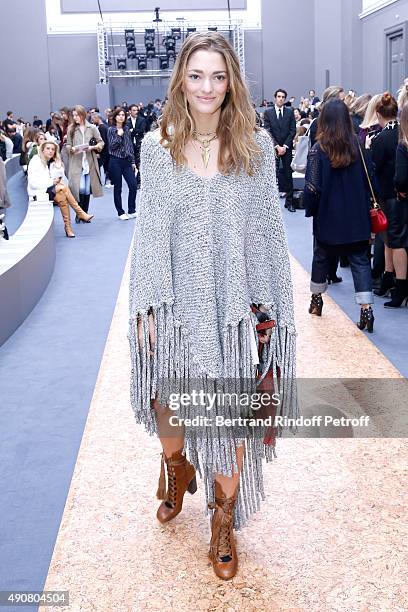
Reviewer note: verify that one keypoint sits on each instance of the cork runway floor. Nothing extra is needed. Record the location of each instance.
(331, 535)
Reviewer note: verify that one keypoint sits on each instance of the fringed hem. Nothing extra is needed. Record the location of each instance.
(172, 369)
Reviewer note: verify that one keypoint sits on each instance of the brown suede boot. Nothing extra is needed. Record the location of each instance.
(80, 214)
(181, 477)
(64, 208)
(223, 553)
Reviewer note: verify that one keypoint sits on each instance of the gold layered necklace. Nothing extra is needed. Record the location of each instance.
(205, 144)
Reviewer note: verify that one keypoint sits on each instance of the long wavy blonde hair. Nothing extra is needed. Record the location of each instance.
(237, 125)
(57, 157)
(370, 116)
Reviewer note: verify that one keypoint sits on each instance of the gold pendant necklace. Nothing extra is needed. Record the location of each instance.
(205, 147)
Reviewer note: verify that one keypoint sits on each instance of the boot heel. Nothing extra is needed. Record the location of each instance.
(192, 487)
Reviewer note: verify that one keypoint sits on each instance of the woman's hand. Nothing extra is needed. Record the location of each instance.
(152, 337)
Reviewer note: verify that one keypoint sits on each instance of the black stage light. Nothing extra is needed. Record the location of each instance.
(141, 62)
(150, 34)
(121, 63)
(151, 53)
(164, 63)
(191, 31)
(130, 42)
(212, 28)
(170, 44)
(176, 33)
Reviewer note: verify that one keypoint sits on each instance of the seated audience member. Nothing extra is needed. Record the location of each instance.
(298, 115)
(39, 138)
(301, 130)
(46, 175)
(4, 197)
(28, 141)
(15, 138)
(52, 134)
(37, 122)
(20, 126)
(7, 146)
(9, 121)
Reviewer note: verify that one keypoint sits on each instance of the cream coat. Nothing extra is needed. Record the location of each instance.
(75, 161)
(40, 176)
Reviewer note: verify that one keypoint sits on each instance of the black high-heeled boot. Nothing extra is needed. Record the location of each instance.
(387, 283)
(316, 304)
(366, 319)
(399, 294)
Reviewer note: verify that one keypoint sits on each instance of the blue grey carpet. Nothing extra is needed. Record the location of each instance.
(48, 373)
(390, 327)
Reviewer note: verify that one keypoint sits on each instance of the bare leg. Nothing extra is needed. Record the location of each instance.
(230, 483)
(171, 436)
(389, 264)
(400, 263)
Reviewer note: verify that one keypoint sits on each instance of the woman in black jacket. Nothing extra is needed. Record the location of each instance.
(383, 150)
(401, 184)
(337, 196)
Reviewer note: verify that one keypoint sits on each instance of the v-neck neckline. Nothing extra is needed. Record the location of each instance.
(189, 170)
(186, 168)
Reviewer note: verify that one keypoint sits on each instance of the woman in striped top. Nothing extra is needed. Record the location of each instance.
(122, 163)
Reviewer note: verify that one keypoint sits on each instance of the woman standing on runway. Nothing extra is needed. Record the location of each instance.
(122, 163)
(383, 151)
(83, 143)
(209, 260)
(337, 196)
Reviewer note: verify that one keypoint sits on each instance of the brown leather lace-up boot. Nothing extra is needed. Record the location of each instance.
(181, 477)
(222, 552)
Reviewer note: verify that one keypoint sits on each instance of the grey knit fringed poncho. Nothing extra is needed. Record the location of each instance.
(204, 250)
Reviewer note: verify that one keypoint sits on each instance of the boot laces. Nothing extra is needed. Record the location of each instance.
(172, 488)
(222, 523)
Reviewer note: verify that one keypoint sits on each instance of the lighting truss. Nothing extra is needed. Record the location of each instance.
(137, 43)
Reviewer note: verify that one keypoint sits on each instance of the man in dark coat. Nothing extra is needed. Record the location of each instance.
(138, 126)
(280, 122)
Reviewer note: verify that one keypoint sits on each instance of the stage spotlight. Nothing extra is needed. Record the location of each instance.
(176, 33)
(130, 42)
(164, 63)
(130, 38)
(142, 62)
(150, 34)
(191, 31)
(121, 63)
(151, 53)
(170, 44)
(212, 28)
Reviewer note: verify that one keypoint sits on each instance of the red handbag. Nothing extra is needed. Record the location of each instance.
(379, 222)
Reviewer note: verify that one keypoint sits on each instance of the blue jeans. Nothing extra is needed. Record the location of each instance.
(85, 184)
(359, 264)
(117, 168)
